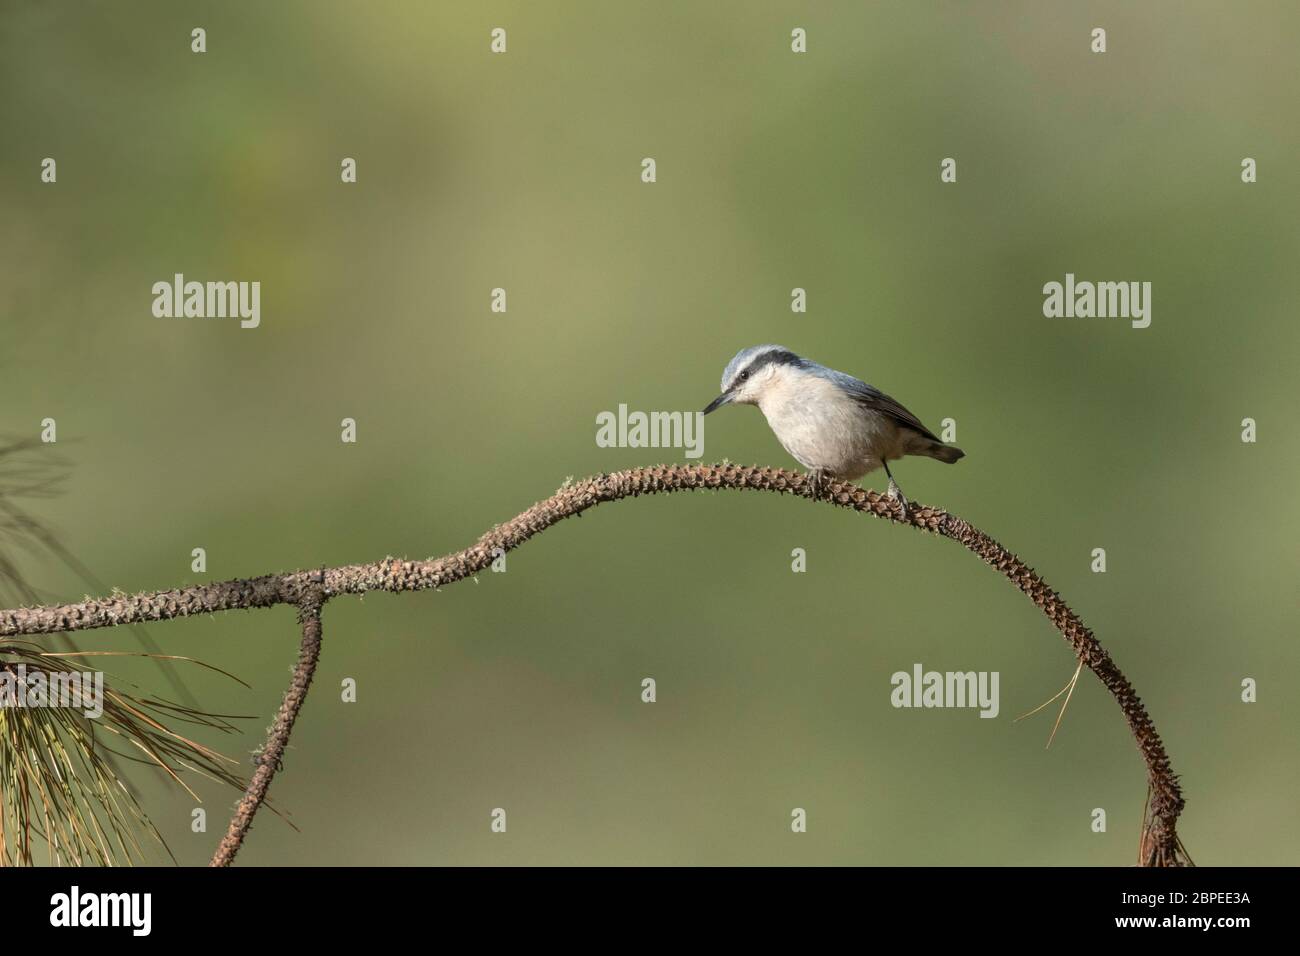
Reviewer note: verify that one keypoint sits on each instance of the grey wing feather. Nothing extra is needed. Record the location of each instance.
(874, 398)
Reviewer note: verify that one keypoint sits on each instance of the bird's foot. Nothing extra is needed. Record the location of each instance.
(896, 494)
(819, 483)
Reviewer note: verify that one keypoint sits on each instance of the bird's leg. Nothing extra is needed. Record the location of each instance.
(819, 482)
(895, 492)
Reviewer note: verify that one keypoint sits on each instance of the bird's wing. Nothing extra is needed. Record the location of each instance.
(873, 398)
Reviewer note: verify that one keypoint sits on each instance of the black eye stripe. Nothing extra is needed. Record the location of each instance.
(775, 357)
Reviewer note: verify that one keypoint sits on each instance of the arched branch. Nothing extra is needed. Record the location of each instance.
(1159, 845)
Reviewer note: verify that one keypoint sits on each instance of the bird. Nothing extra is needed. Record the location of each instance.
(833, 424)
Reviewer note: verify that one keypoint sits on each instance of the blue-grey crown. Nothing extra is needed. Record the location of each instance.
(756, 357)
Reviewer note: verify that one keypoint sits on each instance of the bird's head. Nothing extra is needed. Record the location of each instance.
(754, 372)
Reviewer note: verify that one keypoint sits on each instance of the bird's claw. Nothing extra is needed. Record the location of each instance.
(819, 483)
(896, 494)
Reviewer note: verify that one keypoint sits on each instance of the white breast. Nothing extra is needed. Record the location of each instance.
(824, 428)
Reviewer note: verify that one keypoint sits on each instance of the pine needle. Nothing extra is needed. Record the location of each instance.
(1068, 691)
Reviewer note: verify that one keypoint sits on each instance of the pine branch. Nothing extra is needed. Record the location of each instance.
(277, 739)
(309, 590)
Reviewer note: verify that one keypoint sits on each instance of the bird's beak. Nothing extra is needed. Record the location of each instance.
(723, 399)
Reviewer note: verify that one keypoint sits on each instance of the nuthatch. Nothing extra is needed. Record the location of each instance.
(833, 424)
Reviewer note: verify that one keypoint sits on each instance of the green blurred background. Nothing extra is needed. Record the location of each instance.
(775, 170)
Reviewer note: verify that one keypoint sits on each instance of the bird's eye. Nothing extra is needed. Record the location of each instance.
(744, 375)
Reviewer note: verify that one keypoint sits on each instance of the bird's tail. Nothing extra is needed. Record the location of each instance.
(944, 453)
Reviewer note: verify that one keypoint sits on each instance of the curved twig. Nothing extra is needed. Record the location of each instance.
(277, 736)
(1159, 845)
